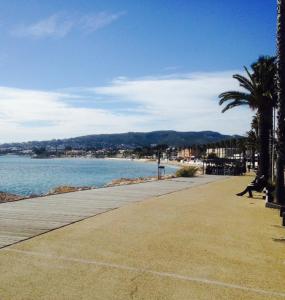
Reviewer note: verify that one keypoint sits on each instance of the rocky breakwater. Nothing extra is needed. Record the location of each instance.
(124, 181)
(7, 197)
(68, 189)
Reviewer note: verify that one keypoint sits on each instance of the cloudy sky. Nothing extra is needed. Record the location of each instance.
(71, 67)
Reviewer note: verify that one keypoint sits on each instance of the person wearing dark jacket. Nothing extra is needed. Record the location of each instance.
(258, 184)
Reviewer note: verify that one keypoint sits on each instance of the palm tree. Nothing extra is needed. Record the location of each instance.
(268, 82)
(252, 145)
(254, 124)
(241, 147)
(255, 138)
(280, 191)
(234, 146)
(258, 95)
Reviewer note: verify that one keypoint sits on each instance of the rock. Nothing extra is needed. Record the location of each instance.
(6, 197)
(124, 181)
(34, 196)
(67, 189)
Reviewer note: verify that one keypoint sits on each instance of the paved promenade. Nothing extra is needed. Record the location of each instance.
(27, 218)
(199, 243)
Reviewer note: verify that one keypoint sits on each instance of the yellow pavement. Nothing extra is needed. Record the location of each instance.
(199, 243)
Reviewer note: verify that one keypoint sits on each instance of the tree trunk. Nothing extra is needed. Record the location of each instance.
(253, 151)
(264, 134)
(280, 191)
(244, 159)
(271, 144)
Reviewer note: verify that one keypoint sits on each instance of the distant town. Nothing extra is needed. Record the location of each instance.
(170, 145)
(225, 149)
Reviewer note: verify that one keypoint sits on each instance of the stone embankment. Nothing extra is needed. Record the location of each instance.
(123, 181)
(68, 189)
(6, 197)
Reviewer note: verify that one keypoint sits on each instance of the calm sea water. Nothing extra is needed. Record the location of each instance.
(25, 176)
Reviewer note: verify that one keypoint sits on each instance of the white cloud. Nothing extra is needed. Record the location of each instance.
(53, 26)
(59, 25)
(29, 115)
(178, 102)
(93, 22)
(183, 102)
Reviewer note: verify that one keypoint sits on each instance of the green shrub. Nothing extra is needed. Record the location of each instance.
(190, 171)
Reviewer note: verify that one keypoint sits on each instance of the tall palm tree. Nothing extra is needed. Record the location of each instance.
(254, 128)
(280, 191)
(258, 95)
(241, 147)
(254, 124)
(252, 145)
(266, 79)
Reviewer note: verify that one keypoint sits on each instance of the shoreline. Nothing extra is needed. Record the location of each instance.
(174, 165)
(9, 197)
(168, 163)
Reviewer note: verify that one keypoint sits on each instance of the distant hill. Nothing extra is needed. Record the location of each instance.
(129, 140)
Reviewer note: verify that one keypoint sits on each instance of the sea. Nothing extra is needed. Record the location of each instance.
(25, 176)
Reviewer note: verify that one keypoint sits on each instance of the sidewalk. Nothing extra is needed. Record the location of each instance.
(200, 243)
(25, 219)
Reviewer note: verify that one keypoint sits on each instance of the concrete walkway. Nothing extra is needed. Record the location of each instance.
(198, 243)
(24, 219)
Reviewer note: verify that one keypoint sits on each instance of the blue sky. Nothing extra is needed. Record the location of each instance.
(71, 68)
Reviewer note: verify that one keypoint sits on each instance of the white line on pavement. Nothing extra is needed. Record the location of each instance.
(147, 271)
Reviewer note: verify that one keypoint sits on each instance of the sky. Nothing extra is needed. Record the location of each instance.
(76, 67)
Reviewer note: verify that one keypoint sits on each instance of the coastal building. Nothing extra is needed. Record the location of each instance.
(120, 153)
(75, 153)
(223, 152)
(187, 153)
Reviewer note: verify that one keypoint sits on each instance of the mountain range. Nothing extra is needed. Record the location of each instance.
(128, 140)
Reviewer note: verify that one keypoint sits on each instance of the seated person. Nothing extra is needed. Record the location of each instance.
(256, 185)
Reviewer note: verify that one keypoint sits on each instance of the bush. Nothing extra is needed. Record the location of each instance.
(190, 171)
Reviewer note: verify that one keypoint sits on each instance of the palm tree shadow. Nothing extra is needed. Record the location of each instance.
(280, 240)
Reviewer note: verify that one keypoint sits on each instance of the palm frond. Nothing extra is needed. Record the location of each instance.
(245, 83)
(234, 95)
(234, 104)
(249, 75)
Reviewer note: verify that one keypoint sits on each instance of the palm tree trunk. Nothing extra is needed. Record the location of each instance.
(253, 157)
(270, 143)
(280, 191)
(264, 134)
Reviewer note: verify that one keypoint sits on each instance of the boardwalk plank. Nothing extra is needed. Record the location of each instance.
(24, 219)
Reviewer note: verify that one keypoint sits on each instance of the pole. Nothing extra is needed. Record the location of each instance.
(158, 165)
(273, 146)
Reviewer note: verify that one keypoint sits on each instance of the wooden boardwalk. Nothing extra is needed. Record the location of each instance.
(24, 219)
